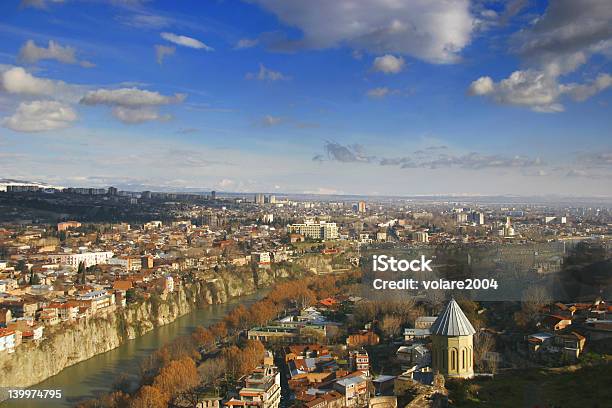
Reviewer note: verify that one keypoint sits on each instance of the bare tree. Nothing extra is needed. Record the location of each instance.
(483, 343)
(211, 370)
(391, 325)
(534, 298)
(434, 299)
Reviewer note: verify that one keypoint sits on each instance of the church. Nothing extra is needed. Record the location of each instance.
(452, 337)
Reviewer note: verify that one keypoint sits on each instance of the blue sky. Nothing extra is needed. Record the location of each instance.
(358, 97)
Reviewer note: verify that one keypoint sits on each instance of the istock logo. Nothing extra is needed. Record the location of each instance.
(383, 263)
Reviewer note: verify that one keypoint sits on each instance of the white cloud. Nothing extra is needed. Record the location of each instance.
(381, 92)
(162, 51)
(270, 120)
(138, 115)
(536, 90)
(482, 86)
(30, 53)
(532, 89)
(581, 92)
(39, 4)
(434, 31)
(345, 154)
(265, 74)
(435, 157)
(577, 173)
(145, 20)
(323, 191)
(129, 97)
(132, 105)
(596, 159)
(555, 44)
(185, 41)
(388, 64)
(566, 35)
(246, 43)
(535, 172)
(40, 116)
(16, 80)
(225, 183)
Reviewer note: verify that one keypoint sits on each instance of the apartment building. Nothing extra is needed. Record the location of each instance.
(315, 229)
(87, 258)
(7, 340)
(262, 389)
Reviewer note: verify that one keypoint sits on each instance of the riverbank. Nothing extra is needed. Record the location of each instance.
(65, 346)
(99, 374)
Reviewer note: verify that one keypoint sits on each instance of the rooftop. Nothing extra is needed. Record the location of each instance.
(452, 322)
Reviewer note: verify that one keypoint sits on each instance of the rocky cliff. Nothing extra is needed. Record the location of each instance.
(68, 344)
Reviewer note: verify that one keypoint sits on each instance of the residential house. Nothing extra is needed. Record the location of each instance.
(539, 341)
(571, 344)
(5, 316)
(354, 389)
(28, 329)
(97, 300)
(123, 285)
(424, 322)
(328, 399)
(68, 310)
(262, 389)
(556, 322)
(411, 335)
(414, 354)
(7, 340)
(359, 360)
(48, 316)
(21, 307)
(383, 385)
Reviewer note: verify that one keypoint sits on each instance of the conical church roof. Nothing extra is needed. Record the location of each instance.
(452, 322)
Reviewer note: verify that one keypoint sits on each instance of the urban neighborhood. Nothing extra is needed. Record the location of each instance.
(316, 338)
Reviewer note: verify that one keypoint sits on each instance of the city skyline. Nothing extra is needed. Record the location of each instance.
(367, 98)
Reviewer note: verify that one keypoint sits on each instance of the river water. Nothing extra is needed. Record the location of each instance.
(97, 375)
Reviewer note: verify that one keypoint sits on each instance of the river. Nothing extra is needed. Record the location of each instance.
(97, 375)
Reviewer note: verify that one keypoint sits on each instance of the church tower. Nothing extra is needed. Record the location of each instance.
(452, 337)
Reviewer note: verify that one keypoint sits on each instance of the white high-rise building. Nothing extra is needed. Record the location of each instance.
(87, 258)
(508, 230)
(315, 230)
(421, 236)
(461, 217)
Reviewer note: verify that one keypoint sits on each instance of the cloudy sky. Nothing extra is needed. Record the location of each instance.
(394, 97)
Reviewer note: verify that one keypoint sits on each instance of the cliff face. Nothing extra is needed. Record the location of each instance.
(316, 264)
(65, 345)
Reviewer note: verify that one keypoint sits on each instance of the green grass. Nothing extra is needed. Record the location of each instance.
(588, 386)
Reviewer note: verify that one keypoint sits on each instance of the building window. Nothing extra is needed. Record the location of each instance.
(463, 359)
(470, 363)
